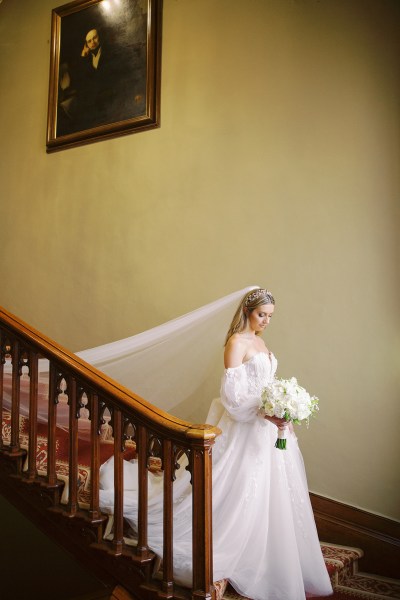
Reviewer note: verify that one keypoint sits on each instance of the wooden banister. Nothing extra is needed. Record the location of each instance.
(14, 443)
(155, 434)
(33, 395)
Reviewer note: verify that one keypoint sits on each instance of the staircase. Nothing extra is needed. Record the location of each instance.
(51, 475)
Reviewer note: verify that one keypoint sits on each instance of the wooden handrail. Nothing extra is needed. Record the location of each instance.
(171, 435)
(49, 349)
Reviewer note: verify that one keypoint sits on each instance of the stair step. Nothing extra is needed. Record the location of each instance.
(370, 587)
(98, 595)
(341, 561)
(120, 593)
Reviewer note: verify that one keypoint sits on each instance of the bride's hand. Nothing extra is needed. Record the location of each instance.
(280, 423)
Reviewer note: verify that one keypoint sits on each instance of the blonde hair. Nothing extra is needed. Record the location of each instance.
(248, 303)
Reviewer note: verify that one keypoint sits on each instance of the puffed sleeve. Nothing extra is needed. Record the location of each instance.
(238, 399)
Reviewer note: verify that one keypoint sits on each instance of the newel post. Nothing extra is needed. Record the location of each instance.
(201, 469)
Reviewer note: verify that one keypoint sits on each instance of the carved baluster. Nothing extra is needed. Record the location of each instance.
(201, 467)
(118, 482)
(142, 547)
(15, 395)
(73, 447)
(2, 362)
(94, 510)
(51, 427)
(33, 403)
(167, 583)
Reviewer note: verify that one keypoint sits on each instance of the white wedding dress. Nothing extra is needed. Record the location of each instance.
(265, 539)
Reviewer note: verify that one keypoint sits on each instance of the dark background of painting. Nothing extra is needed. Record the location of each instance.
(116, 91)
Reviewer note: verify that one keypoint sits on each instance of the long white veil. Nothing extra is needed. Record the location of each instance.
(175, 366)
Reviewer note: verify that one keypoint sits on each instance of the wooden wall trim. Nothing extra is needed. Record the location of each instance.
(379, 537)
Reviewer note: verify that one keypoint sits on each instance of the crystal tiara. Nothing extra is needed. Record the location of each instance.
(256, 295)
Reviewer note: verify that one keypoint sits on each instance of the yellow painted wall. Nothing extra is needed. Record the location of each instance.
(276, 164)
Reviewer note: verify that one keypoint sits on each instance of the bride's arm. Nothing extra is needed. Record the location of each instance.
(236, 397)
(235, 351)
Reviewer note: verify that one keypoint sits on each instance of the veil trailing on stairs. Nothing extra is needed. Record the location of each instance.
(260, 500)
(176, 366)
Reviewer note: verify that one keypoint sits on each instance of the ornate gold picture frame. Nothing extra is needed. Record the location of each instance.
(105, 70)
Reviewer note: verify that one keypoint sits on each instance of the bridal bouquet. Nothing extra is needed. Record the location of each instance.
(285, 398)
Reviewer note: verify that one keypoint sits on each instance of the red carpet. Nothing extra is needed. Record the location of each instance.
(62, 446)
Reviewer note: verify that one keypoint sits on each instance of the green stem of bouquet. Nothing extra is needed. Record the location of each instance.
(281, 443)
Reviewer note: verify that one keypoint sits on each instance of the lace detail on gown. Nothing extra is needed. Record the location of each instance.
(241, 386)
(265, 539)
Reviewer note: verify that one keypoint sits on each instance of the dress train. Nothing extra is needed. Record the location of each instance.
(264, 535)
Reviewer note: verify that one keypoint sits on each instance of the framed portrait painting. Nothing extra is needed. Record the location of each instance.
(105, 70)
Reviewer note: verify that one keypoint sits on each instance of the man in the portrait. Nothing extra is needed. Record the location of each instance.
(105, 84)
(92, 46)
(100, 77)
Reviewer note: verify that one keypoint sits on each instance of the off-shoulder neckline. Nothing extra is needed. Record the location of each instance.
(268, 354)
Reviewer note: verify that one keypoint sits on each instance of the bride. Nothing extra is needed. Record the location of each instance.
(264, 536)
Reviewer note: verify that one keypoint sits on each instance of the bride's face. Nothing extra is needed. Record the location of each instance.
(260, 317)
